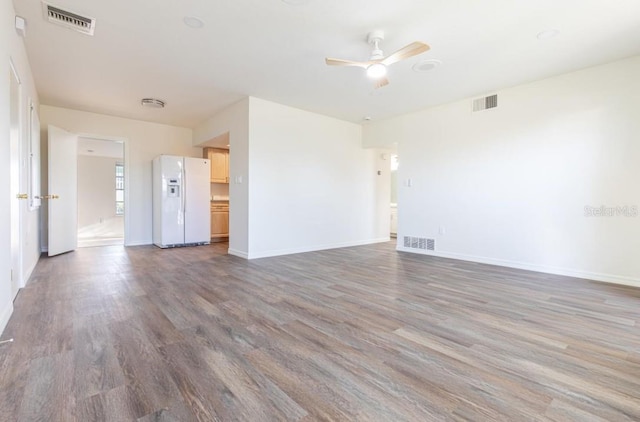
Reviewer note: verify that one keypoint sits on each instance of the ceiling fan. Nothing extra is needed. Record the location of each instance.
(377, 64)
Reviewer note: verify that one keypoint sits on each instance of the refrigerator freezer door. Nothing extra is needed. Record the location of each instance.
(169, 193)
(197, 228)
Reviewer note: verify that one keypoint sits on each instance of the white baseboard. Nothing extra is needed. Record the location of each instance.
(5, 315)
(139, 243)
(28, 272)
(291, 251)
(238, 253)
(606, 278)
(45, 249)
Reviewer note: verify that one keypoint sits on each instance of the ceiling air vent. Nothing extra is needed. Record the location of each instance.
(69, 19)
(485, 103)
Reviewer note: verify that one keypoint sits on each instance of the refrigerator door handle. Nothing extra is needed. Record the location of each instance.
(184, 186)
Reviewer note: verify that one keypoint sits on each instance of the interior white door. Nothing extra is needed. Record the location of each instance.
(63, 191)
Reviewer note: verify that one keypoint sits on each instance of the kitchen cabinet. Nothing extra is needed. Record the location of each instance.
(219, 159)
(219, 221)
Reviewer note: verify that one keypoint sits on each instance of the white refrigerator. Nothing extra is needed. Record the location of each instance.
(181, 201)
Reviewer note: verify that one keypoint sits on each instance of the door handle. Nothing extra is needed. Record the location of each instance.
(47, 197)
(22, 196)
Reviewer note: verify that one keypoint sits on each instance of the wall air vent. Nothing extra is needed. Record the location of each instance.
(485, 103)
(69, 19)
(419, 243)
(431, 244)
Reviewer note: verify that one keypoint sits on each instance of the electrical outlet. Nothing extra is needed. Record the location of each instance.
(442, 230)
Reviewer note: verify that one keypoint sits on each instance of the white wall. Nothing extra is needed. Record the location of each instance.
(312, 185)
(96, 189)
(510, 185)
(235, 120)
(12, 48)
(142, 142)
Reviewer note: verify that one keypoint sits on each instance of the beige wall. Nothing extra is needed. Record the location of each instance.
(143, 141)
(509, 186)
(312, 184)
(219, 189)
(96, 189)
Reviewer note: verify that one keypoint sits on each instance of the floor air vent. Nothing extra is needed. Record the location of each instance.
(69, 19)
(485, 103)
(419, 243)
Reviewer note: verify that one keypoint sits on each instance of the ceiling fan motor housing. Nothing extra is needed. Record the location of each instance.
(374, 38)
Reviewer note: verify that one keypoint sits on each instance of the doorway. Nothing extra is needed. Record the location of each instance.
(394, 195)
(218, 151)
(101, 192)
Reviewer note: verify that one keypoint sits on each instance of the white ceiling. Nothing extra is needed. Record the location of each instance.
(275, 51)
(100, 148)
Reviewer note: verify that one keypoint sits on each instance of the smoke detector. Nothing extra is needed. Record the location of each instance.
(193, 22)
(426, 65)
(68, 19)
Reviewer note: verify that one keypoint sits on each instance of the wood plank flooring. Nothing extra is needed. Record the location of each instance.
(364, 333)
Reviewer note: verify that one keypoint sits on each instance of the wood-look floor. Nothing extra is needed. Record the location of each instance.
(365, 333)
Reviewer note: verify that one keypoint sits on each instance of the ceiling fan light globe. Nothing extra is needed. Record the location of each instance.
(376, 71)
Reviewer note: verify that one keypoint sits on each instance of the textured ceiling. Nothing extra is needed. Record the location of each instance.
(275, 51)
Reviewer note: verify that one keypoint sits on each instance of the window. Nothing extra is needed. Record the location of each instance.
(119, 189)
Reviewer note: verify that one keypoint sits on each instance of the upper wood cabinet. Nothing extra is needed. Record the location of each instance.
(219, 164)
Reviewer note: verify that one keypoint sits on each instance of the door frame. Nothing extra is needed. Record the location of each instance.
(15, 182)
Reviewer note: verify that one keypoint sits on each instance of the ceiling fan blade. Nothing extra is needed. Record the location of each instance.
(405, 52)
(380, 83)
(341, 62)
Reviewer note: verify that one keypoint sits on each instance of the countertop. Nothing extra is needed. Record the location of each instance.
(219, 198)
